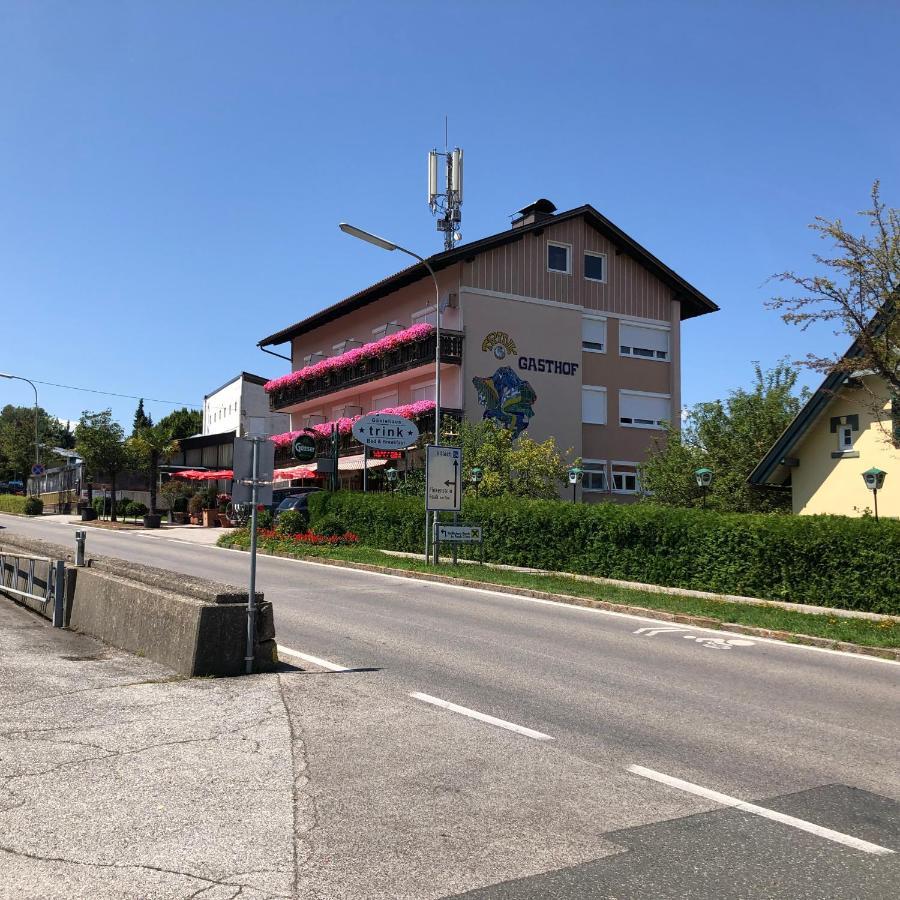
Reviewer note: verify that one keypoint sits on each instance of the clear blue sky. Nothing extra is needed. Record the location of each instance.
(172, 173)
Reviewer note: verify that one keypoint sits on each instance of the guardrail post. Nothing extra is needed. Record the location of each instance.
(80, 538)
(59, 592)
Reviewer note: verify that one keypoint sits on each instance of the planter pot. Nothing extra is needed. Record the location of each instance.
(180, 518)
(210, 518)
(88, 514)
(196, 520)
(152, 521)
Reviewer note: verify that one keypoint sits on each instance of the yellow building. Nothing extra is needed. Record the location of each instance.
(849, 426)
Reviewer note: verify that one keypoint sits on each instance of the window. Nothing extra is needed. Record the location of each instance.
(559, 258)
(386, 329)
(594, 478)
(424, 316)
(593, 405)
(385, 401)
(639, 409)
(625, 478)
(593, 335)
(422, 392)
(594, 266)
(845, 437)
(647, 341)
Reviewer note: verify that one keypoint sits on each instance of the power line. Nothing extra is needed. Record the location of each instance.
(71, 387)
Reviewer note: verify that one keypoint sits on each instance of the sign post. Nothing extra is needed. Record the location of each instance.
(259, 451)
(443, 485)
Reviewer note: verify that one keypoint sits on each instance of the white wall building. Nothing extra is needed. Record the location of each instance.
(241, 406)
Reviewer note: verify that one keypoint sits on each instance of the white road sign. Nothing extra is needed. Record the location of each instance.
(443, 478)
(243, 471)
(385, 432)
(460, 534)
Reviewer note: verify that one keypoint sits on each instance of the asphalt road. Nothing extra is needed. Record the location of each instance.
(621, 749)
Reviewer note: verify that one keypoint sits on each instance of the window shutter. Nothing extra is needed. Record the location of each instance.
(593, 406)
(642, 409)
(647, 338)
(593, 331)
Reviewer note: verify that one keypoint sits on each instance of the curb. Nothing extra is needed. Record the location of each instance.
(789, 637)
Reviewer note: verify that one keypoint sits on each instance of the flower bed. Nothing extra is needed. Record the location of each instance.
(345, 425)
(371, 350)
(315, 540)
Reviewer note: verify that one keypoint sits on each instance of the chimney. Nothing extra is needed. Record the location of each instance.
(538, 211)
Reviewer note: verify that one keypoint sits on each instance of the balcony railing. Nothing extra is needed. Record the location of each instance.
(410, 356)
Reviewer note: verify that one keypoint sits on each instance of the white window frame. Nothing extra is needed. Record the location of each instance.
(845, 430)
(595, 467)
(600, 390)
(605, 321)
(617, 469)
(605, 259)
(418, 387)
(625, 350)
(568, 249)
(653, 427)
(377, 404)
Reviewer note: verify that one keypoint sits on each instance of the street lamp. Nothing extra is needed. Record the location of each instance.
(575, 474)
(391, 475)
(475, 477)
(353, 231)
(704, 480)
(37, 452)
(874, 479)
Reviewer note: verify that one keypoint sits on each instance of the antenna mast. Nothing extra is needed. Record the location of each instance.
(446, 204)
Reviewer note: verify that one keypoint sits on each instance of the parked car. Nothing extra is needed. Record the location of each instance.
(297, 500)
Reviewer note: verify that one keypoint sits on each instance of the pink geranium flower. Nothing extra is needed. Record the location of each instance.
(352, 357)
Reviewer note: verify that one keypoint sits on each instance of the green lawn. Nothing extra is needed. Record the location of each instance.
(835, 628)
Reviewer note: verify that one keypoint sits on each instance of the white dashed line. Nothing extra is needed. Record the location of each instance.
(315, 660)
(819, 830)
(482, 717)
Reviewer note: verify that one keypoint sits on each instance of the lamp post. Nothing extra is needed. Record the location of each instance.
(391, 475)
(874, 479)
(353, 231)
(475, 477)
(37, 452)
(575, 475)
(704, 480)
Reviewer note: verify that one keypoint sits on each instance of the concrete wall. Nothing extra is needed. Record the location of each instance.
(828, 483)
(194, 626)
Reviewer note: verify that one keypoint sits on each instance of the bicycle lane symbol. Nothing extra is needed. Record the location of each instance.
(704, 640)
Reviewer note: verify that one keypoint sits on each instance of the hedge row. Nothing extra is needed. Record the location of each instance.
(824, 560)
(21, 506)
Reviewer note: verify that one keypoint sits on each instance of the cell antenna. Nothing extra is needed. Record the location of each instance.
(446, 204)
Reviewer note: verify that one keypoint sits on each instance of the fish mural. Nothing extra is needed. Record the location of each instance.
(506, 398)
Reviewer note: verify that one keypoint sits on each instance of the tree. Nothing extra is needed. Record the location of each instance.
(147, 446)
(858, 293)
(141, 419)
(729, 437)
(182, 423)
(17, 439)
(101, 441)
(519, 466)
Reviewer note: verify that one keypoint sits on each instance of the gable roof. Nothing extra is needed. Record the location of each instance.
(693, 302)
(773, 469)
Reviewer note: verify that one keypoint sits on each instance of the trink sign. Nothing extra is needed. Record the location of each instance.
(385, 432)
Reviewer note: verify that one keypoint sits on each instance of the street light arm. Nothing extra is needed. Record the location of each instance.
(37, 451)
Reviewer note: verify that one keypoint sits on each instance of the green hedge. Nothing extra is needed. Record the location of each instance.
(823, 560)
(21, 506)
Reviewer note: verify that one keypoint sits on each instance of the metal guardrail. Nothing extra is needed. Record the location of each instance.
(36, 578)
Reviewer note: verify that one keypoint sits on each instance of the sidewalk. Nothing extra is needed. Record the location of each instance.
(119, 780)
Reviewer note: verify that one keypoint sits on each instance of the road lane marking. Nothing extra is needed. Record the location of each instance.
(315, 660)
(482, 717)
(704, 640)
(819, 830)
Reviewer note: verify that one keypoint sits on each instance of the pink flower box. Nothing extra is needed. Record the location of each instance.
(345, 425)
(372, 350)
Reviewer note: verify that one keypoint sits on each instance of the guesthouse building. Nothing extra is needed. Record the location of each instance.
(559, 326)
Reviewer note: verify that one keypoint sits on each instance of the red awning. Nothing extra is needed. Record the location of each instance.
(196, 475)
(295, 472)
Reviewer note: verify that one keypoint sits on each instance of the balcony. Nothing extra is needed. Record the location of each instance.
(410, 356)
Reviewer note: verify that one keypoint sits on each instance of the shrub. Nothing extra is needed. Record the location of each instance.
(12, 503)
(824, 560)
(33, 506)
(195, 504)
(290, 522)
(329, 526)
(136, 509)
(264, 517)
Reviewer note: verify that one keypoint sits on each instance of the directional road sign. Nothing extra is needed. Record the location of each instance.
(385, 431)
(243, 470)
(443, 478)
(459, 534)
